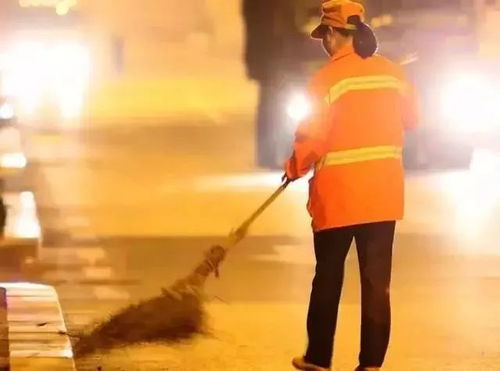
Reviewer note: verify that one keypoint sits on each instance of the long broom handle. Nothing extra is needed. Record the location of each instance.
(237, 235)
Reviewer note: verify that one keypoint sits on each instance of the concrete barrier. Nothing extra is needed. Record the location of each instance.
(33, 333)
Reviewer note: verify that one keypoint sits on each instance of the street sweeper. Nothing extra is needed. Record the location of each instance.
(361, 104)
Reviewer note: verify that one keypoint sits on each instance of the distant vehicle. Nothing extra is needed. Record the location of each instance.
(43, 59)
(437, 43)
(455, 94)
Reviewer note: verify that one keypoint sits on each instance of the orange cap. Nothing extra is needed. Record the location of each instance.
(336, 13)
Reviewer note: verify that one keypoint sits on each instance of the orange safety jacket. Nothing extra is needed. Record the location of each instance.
(353, 139)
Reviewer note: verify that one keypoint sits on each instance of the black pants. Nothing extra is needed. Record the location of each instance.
(374, 245)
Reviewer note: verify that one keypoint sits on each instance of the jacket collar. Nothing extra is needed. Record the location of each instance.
(343, 52)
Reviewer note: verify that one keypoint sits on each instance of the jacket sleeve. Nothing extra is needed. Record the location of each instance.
(311, 135)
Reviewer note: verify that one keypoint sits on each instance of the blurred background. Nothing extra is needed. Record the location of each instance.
(125, 58)
(134, 134)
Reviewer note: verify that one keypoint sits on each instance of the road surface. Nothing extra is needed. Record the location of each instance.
(128, 208)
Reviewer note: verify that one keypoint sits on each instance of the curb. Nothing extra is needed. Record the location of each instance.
(33, 333)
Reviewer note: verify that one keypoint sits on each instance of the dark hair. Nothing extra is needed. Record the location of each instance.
(365, 41)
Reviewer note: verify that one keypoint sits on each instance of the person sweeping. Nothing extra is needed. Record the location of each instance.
(362, 103)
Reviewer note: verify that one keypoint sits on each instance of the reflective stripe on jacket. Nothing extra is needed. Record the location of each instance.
(354, 141)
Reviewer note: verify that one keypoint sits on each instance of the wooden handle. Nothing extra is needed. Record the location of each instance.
(241, 231)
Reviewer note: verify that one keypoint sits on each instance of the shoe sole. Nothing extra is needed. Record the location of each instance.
(306, 368)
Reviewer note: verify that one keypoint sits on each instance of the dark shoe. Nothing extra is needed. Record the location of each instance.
(300, 364)
(359, 368)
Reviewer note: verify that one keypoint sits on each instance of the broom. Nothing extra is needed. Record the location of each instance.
(174, 315)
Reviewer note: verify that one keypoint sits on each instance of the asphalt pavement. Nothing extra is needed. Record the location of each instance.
(127, 209)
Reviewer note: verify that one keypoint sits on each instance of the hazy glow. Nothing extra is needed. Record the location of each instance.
(27, 228)
(6, 112)
(26, 224)
(240, 182)
(13, 160)
(60, 74)
(67, 353)
(27, 199)
(243, 182)
(474, 194)
(298, 107)
(470, 102)
(62, 7)
(25, 285)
